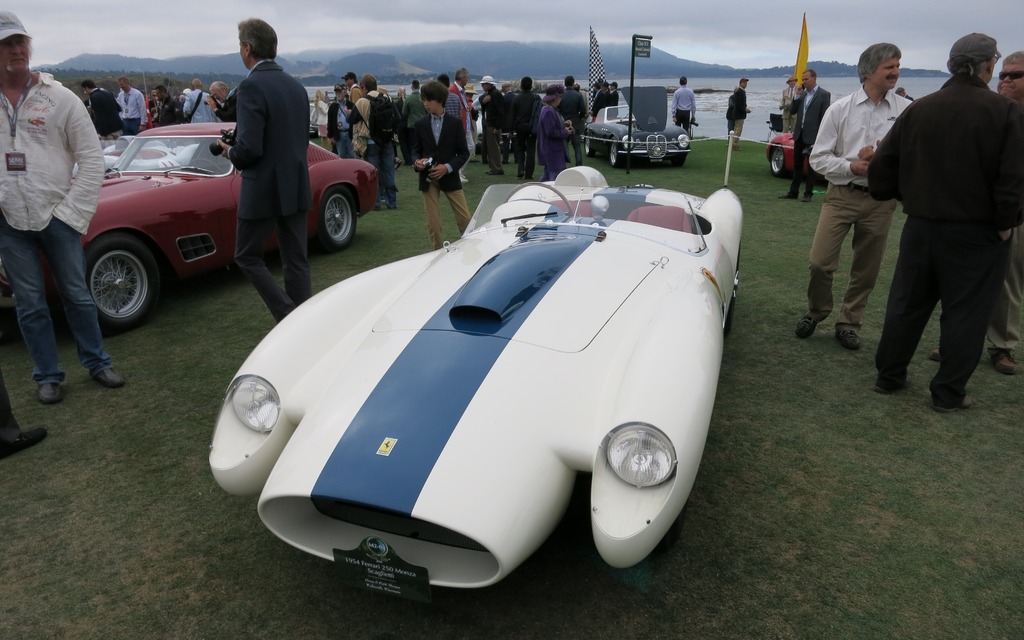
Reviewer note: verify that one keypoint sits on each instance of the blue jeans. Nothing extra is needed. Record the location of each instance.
(62, 247)
(343, 145)
(382, 156)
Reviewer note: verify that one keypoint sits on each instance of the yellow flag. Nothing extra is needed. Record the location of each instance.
(801, 54)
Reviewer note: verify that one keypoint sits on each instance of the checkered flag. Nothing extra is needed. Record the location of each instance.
(596, 64)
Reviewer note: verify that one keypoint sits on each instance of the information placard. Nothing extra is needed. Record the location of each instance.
(374, 565)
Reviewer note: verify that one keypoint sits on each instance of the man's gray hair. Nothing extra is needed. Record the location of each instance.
(462, 73)
(874, 56)
(260, 37)
(217, 85)
(1017, 57)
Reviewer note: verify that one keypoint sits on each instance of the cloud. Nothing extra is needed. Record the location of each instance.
(747, 34)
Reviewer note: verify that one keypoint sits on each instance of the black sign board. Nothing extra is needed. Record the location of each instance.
(375, 566)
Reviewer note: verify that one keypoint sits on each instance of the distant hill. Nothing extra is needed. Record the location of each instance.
(400, 63)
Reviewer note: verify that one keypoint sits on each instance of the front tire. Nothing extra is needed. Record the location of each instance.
(778, 163)
(727, 325)
(336, 224)
(589, 148)
(679, 161)
(123, 280)
(613, 155)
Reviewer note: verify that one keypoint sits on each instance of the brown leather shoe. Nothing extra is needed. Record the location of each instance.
(1003, 362)
(935, 355)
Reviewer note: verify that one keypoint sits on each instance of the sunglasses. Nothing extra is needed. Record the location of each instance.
(1012, 75)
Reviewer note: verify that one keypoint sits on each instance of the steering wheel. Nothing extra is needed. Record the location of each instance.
(565, 201)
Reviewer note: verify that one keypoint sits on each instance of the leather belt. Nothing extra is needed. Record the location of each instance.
(857, 187)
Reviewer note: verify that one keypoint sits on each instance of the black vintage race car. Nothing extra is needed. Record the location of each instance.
(652, 138)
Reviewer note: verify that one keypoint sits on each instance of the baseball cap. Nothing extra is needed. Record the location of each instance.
(10, 25)
(972, 49)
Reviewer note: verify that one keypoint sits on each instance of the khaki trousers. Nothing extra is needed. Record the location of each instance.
(847, 208)
(432, 209)
(1004, 327)
(738, 130)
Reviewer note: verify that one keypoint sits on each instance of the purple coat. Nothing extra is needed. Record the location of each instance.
(551, 142)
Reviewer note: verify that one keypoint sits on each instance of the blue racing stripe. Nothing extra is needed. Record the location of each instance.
(421, 398)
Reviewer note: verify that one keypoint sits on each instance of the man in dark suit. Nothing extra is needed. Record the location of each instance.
(572, 110)
(272, 136)
(440, 146)
(810, 105)
(106, 114)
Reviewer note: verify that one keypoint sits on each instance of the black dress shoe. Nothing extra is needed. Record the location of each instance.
(806, 198)
(890, 390)
(50, 393)
(109, 378)
(24, 441)
(965, 404)
(788, 196)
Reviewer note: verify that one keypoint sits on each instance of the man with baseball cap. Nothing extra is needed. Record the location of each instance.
(960, 217)
(493, 105)
(49, 131)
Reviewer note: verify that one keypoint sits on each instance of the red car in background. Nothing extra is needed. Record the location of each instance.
(167, 207)
(780, 155)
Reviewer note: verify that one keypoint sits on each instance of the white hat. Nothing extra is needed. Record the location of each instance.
(488, 80)
(11, 26)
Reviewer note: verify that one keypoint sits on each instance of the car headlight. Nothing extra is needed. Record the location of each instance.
(641, 454)
(684, 141)
(255, 402)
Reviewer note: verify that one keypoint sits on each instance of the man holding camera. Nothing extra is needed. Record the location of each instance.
(272, 135)
(440, 145)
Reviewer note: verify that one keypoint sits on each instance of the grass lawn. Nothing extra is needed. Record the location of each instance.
(822, 509)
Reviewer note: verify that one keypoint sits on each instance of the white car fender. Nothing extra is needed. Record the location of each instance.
(676, 395)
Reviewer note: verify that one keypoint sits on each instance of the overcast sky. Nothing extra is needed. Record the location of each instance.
(741, 33)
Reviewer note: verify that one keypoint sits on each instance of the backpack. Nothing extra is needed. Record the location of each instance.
(382, 119)
(187, 117)
(535, 116)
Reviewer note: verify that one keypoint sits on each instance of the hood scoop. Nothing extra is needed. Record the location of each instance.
(514, 281)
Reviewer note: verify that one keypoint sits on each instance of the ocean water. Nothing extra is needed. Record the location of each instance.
(763, 95)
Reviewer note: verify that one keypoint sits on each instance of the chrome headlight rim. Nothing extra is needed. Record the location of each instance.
(255, 402)
(640, 454)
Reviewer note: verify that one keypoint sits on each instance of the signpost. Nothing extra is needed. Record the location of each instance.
(641, 49)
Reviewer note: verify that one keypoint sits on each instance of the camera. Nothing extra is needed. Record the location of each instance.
(428, 164)
(227, 136)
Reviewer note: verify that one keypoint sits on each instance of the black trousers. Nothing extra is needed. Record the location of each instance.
(960, 265)
(251, 238)
(799, 149)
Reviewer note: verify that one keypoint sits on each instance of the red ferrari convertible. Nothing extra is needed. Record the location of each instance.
(167, 207)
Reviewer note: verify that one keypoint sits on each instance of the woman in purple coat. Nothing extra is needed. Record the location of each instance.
(552, 131)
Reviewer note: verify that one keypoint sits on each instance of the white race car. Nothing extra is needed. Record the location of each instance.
(423, 423)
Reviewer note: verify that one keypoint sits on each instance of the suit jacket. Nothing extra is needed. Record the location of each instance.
(451, 148)
(227, 111)
(106, 115)
(806, 129)
(572, 109)
(272, 137)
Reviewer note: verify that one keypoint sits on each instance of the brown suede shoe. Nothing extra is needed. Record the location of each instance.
(1003, 362)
